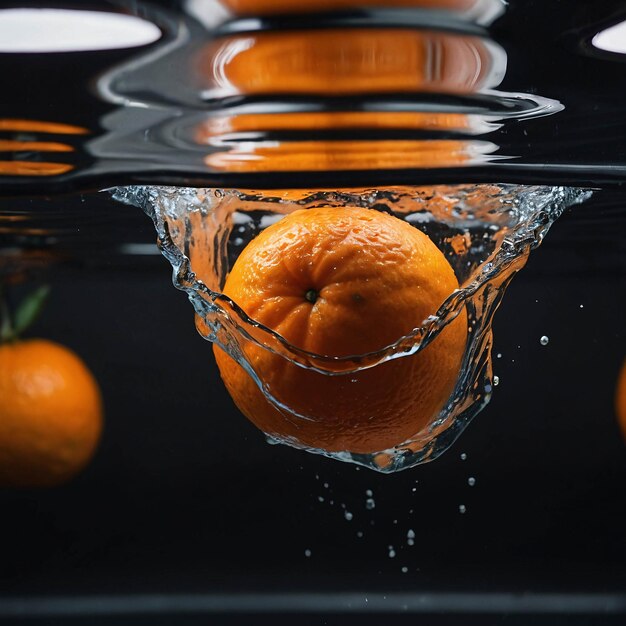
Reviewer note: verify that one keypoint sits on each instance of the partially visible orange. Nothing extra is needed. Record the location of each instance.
(50, 414)
(620, 399)
(341, 282)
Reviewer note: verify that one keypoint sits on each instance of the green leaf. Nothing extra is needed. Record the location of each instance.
(30, 309)
(6, 327)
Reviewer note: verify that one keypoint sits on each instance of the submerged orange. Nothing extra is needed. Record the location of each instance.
(50, 414)
(343, 282)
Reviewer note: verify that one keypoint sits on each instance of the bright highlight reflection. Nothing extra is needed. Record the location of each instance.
(612, 39)
(63, 30)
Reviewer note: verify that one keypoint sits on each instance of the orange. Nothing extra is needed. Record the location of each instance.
(341, 282)
(50, 414)
(620, 399)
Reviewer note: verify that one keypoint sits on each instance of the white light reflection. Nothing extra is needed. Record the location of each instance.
(612, 39)
(64, 30)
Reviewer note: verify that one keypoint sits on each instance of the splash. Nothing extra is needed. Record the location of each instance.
(485, 231)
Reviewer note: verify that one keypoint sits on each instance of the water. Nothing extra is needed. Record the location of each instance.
(486, 232)
(180, 110)
(186, 496)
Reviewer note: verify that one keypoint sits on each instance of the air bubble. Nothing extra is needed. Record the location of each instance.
(462, 508)
(348, 515)
(544, 340)
(496, 381)
(471, 481)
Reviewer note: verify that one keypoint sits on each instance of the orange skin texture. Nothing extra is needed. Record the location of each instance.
(620, 399)
(50, 414)
(376, 278)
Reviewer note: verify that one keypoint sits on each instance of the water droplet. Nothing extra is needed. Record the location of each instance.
(348, 515)
(471, 481)
(496, 381)
(395, 521)
(463, 456)
(392, 553)
(410, 537)
(325, 485)
(359, 533)
(544, 340)
(369, 493)
(370, 504)
(462, 508)
(320, 499)
(307, 553)
(405, 569)
(582, 306)
(499, 355)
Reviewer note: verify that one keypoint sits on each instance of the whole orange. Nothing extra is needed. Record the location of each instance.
(343, 282)
(50, 414)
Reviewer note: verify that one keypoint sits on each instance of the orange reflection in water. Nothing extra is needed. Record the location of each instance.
(10, 145)
(33, 168)
(620, 399)
(318, 120)
(24, 167)
(345, 155)
(298, 6)
(37, 126)
(347, 62)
